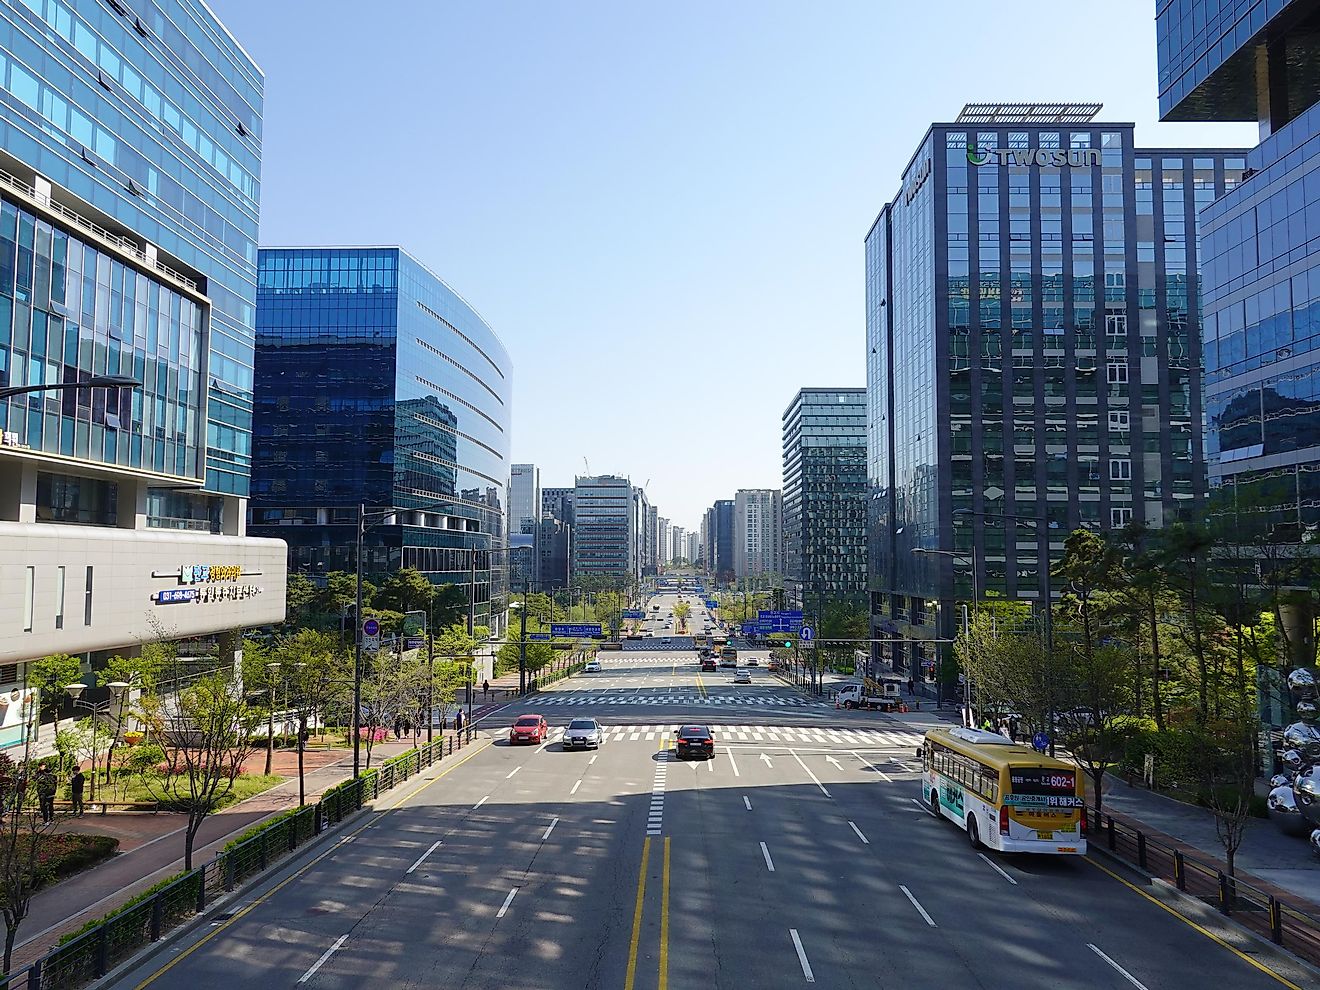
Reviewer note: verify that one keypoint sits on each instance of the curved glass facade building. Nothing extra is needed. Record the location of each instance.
(378, 384)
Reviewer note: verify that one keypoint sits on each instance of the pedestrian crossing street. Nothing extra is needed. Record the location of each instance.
(675, 698)
(852, 738)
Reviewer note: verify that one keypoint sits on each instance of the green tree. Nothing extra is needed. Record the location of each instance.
(404, 591)
(682, 610)
(49, 675)
(300, 598)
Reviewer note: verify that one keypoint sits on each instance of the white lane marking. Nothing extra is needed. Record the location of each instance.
(710, 763)
(802, 956)
(575, 787)
(884, 776)
(481, 802)
(550, 828)
(512, 772)
(593, 759)
(918, 804)
(343, 938)
(1123, 972)
(865, 840)
(809, 773)
(505, 906)
(996, 867)
(732, 764)
(747, 801)
(422, 858)
(769, 863)
(916, 904)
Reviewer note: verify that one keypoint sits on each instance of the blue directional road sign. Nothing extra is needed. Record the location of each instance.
(750, 628)
(712, 603)
(574, 631)
(532, 636)
(806, 634)
(779, 622)
(1040, 741)
(633, 613)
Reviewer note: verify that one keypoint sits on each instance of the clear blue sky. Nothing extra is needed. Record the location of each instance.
(655, 205)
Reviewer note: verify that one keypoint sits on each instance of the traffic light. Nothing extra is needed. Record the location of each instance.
(788, 646)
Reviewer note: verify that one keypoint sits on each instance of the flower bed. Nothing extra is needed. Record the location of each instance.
(62, 854)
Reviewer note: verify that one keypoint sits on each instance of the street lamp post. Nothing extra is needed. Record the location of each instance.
(1049, 600)
(97, 381)
(118, 692)
(271, 669)
(967, 623)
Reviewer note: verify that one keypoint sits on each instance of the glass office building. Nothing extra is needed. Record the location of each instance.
(379, 385)
(1033, 355)
(824, 497)
(605, 552)
(130, 155)
(1261, 242)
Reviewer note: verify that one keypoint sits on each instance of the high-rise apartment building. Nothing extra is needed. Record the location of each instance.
(694, 548)
(1033, 355)
(1260, 256)
(663, 547)
(758, 535)
(678, 547)
(130, 156)
(824, 497)
(604, 530)
(378, 385)
(651, 554)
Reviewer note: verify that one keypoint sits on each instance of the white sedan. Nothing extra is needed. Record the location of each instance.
(592, 667)
(585, 733)
(742, 676)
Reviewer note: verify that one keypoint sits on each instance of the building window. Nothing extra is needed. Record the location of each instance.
(1120, 516)
(1120, 420)
(59, 598)
(1116, 324)
(87, 599)
(29, 596)
(1120, 469)
(1118, 372)
(65, 498)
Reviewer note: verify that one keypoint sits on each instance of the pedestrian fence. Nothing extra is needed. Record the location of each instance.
(100, 947)
(1255, 909)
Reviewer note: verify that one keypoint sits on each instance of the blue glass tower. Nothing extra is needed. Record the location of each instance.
(377, 384)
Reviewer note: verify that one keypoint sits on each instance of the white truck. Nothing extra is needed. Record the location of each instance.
(885, 695)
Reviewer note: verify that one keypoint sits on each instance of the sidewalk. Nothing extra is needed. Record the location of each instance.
(151, 845)
(1280, 864)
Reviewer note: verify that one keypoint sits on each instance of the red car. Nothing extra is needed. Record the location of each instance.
(529, 728)
(694, 740)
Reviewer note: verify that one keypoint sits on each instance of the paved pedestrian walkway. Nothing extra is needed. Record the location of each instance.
(1279, 863)
(151, 845)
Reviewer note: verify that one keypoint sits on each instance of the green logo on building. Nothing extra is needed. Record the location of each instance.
(975, 157)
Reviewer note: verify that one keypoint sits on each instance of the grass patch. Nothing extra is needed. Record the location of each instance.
(134, 788)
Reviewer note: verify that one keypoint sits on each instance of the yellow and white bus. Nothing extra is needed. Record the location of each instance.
(1006, 796)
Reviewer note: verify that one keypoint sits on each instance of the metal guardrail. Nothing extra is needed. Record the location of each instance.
(1255, 909)
(95, 952)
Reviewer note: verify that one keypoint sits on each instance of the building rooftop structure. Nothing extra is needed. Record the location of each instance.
(1028, 113)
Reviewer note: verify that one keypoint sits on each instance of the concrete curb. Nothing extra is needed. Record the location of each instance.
(1191, 908)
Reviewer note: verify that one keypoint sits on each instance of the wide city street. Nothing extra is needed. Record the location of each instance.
(799, 855)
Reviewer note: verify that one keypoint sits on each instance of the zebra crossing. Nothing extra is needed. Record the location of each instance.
(675, 698)
(852, 738)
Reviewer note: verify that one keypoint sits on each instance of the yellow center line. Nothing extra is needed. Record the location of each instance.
(1187, 921)
(294, 876)
(637, 917)
(664, 922)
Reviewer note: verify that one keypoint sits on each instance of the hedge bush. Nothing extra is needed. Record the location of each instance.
(132, 902)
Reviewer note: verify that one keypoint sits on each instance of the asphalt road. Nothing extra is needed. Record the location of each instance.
(797, 856)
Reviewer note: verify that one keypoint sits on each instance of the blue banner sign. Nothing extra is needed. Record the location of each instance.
(574, 631)
(779, 622)
(539, 636)
(414, 642)
(750, 628)
(712, 603)
(633, 613)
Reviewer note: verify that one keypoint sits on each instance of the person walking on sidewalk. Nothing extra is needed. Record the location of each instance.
(76, 785)
(485, 689)
(912, 686)
(46, 787)
(458, 721)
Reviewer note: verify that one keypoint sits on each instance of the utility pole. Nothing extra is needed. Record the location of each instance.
(357, 651)
(522, 642)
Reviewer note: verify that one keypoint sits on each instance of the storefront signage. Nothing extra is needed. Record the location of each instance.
(207, 595)
(173, 596)
(1054, 157)
(10, 439)
(204, 573)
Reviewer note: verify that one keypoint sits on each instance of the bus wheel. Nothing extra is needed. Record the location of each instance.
(973, 834)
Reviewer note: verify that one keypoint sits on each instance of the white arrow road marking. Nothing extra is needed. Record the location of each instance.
(767, 761)
(422, 858)
(837, 764)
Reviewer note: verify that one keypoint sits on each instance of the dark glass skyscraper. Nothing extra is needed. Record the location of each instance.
(1033, 354)
(378, 384)
(824, 496)
(1261, 240)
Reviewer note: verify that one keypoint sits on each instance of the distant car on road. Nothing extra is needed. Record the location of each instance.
(694, 740)
(665, 641)
(753, 662)
(529, 728)
(584, 732)
(707, 663)
(592, 667)
(742, 676)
